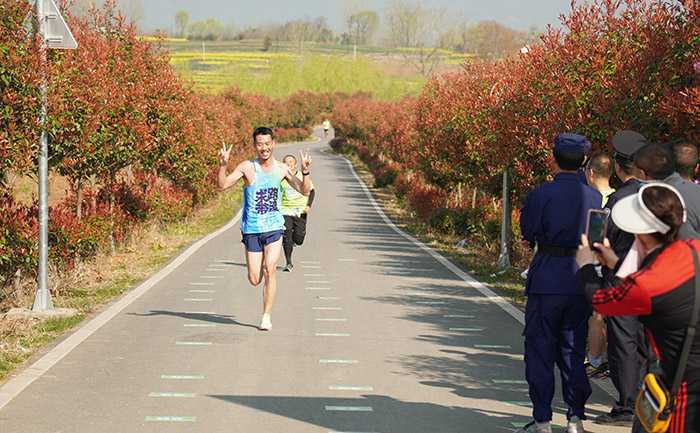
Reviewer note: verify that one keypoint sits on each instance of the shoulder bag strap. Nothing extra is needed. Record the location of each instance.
(690, 333)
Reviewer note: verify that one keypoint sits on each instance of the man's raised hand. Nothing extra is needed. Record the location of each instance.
(305, 161)
(224, 153)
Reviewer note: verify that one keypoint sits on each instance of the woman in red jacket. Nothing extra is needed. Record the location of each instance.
(656, 282)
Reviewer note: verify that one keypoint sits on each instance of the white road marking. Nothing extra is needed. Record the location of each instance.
(329, 298)
(310, 266)
(16, 385)
(198, 299)
(467, 329)
(349, 408)
(193, 343)
(337, 361)
(211, 277)
(310, 262)
(329, 334)
(431, 302)
(215, 269)
(318, 282)
(350, 388)
(492, 346)
(332, 320)
(458, 316)
(180, 377)
(318, 288)
(172, 394)
(171, 419)
(201, 284)
(202, 291)
(509, 382)
(313, 275)
(201, 312)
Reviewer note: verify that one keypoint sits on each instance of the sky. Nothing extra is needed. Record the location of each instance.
(520, 14)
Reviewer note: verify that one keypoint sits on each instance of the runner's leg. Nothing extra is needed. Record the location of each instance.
(254, 260)
(299, 230)
(272, 256)
(288, 242)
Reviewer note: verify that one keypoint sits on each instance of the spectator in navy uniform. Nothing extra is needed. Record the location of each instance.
(553, 218)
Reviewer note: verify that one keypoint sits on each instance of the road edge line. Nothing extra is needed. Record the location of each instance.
(482, 288)
(471, 281)
(13, 387)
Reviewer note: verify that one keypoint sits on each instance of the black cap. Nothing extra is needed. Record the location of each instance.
(627, 143)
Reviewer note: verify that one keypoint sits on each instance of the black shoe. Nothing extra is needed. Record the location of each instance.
(615, 417)
(288, 268)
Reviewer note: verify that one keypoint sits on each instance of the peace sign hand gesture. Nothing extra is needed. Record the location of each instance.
(224, 153)
(305, 161)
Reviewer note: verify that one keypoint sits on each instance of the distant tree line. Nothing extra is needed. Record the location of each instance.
(405, 24)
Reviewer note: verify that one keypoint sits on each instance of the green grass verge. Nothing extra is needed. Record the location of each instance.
(133, 263)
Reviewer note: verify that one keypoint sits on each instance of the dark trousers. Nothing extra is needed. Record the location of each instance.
(626, 348)
(556, 327)
(294, 234)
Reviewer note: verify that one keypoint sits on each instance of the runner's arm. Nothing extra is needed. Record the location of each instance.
(305, 187)
(226, 182)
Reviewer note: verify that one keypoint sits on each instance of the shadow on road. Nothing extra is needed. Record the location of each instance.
(387, 415)
(212, 318)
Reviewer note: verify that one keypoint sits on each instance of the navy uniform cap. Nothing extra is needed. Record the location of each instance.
(627, 143)
(569, 142)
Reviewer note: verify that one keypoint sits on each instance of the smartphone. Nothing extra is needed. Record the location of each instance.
(597, 225)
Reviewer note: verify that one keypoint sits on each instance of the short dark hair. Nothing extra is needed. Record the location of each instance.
(568, 160)
(290, 156)
(263, 130)
(624, 163)
(667, 207)
(656, 160)
(686, 157)
(601, 165)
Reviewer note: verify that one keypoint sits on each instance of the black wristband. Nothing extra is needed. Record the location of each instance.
(305, 174)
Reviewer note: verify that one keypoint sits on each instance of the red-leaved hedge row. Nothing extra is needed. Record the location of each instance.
(613, 64)
(133, 140)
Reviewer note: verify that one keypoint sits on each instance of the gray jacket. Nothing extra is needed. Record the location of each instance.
(691, 195)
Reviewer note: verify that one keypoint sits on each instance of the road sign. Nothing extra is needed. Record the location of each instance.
(56, 32)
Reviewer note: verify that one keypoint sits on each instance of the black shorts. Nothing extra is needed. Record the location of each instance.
(295, 229)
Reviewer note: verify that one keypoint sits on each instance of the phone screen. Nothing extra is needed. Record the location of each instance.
(597, 226)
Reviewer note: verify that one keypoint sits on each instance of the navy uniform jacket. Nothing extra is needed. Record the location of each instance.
(555, 215)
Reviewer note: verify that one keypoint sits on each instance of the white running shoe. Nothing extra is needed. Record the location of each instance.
(265, 323)
(536, 427)
(575, 425)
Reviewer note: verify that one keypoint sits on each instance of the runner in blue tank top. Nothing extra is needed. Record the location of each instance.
(262, 224)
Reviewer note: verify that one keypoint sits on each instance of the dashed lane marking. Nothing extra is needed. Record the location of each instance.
(171, 419)
(350, 388)
(349, 409)
(338, 361)
(172, 394)
(181, 377)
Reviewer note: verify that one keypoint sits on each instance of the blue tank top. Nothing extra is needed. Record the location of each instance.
(262, 202)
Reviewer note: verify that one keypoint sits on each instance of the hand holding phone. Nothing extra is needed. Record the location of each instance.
(597, 226)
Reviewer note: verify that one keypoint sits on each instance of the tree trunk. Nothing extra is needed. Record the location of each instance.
(79, 198)
(112, 239)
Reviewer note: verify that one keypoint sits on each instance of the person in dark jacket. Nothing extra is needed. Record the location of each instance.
(656, 283)
(556, 318)
(625, 333)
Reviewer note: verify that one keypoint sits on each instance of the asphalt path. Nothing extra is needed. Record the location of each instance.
(371, 333)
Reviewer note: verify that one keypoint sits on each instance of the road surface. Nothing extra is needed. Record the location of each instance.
(370, 334)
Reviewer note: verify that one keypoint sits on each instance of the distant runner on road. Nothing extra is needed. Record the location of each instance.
(295, 208)
(326, 127)
(262, 224)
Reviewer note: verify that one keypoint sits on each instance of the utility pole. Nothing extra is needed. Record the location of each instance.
(53, 33)
(504, 257)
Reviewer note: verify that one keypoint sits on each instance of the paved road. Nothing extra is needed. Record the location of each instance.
(370, 334)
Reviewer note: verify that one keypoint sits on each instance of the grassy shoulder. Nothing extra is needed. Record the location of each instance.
(91, 285)
(477, 260)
